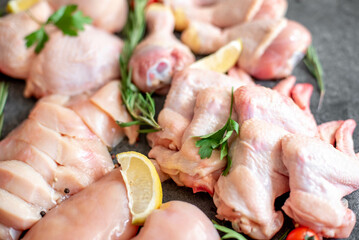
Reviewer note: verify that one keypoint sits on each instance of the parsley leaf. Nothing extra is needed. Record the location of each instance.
(212, 141)
(314, 66)
(67, 19)
(141, 107)
(230, 234)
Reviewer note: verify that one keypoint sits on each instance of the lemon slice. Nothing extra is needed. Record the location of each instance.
(222, 60)
(143, 185)
(15, 6)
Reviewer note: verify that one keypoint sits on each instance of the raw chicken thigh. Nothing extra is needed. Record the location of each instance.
(15, 58)
(72, 65)
(160, 55)
(177, 220)
(109, 15)
(100, 211)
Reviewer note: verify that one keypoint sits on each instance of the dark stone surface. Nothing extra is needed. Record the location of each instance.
(335, 31)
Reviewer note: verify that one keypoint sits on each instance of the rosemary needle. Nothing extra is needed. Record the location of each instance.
(3, 97)
(314, 66)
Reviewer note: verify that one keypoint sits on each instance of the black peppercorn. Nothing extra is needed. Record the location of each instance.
(67, 190)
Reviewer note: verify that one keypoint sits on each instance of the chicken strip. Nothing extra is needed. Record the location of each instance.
(70, 66)
(100, 211)
(177, 112)
(160, 55)
(257, 177)
(109, 15)
(177, 220)
(15, 58)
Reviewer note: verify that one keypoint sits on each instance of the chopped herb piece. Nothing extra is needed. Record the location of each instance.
(230, 234)
(4, 88)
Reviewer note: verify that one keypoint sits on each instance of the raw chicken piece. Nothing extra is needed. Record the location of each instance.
(160, 55)
(109, 99)
(180, 102)
(319, 177)
(225, 14)
(285, 86)
(11, 148)
(344, 137)
(23, 181)
(177, 220)
(8, 233)
(89, 156)
(327, 131)
(264, 103)
(185, 166)
(100, 211)
(110, 15)
(71, 65)
(15, 58)
(271, 48)
(97, 120)
(17, 213)
(257, 177)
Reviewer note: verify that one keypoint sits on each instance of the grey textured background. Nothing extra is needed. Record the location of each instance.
(335, 31)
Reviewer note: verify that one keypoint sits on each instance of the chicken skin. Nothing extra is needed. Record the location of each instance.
(160, 55)
(177, 220)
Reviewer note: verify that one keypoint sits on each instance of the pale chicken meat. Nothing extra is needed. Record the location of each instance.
(267, 104)
(109, 15)
(257, 177)
(319, 177)
(271, 48)
(227, 13)
(177, 220)
(100, 211)
(9, 233)
(160, 55)
(72, 65)
(185, 166)
(15, 57)
(178, 110)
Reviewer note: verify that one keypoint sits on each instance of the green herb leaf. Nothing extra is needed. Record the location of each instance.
(284, 236)
(141, 107)
(217, 139)
(230, 234)
(314, 66)
(4, 88)
(67, 19)
(39, 38)
(306, 237)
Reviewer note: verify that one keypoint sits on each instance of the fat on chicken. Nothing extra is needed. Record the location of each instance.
(225, 14)
(100, 211)
(8, 233)
(15, 57)
(185, 166)
(257, 177)
(178, 110)
(72, 65)
(271, 48)
(160, 55)
(177, 220)
(109, 15)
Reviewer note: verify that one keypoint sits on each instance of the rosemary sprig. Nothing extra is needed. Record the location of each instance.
(4, 86)
(230, 234)
(212, 141)
(141, 107)
(314, 66)
(67, 19)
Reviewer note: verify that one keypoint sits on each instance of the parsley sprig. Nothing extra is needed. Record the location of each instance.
(67, 19)
(4, 87)
(212, 141)
(141, 107)
(314, 66)
(230, 234)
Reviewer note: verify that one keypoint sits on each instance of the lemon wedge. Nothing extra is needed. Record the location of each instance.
(222, 60)
(15, 6)
(143, 185)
